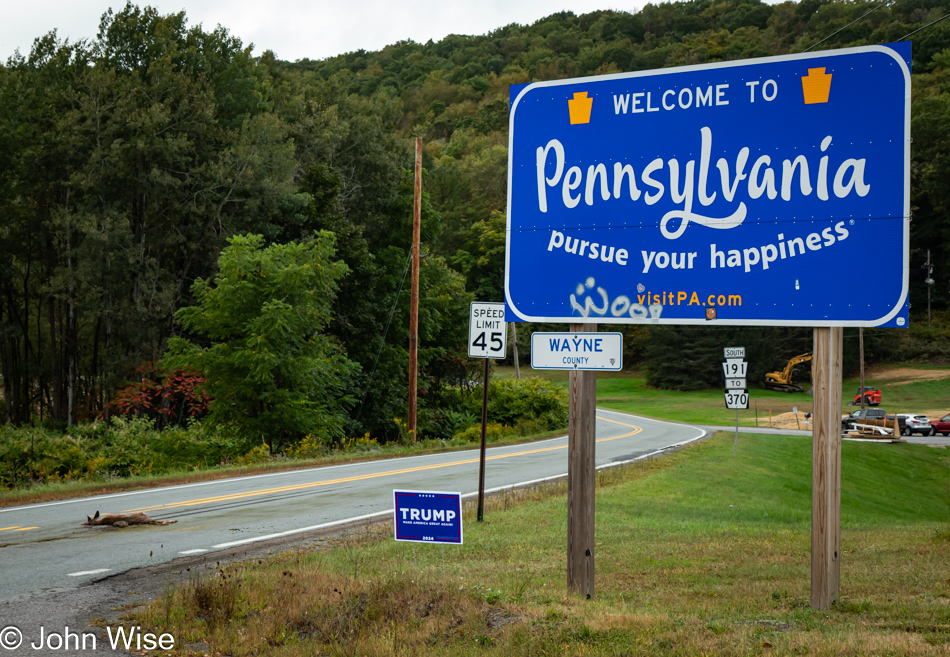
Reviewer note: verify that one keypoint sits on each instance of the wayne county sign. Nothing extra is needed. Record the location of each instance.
(577, 351)
(744, 193)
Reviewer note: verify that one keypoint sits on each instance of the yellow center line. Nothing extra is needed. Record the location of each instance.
(343, 480)
(635, 428)
(23, 529)
(3, 529)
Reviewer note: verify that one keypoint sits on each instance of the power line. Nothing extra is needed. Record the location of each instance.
(924, 27)
(886, 2)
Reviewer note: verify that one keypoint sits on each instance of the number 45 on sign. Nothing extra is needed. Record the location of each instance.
(487, 330)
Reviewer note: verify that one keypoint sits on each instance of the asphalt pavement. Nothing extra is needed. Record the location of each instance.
(45, 545)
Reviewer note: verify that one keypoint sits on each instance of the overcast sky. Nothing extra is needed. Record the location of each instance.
(295, 29)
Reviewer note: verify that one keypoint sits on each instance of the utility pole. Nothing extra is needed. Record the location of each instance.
(414, 294)
(861, 348)
(514, 346)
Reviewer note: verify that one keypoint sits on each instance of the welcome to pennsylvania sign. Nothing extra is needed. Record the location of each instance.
(758, 192)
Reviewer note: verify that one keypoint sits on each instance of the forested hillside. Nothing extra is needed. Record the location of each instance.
(129, 162)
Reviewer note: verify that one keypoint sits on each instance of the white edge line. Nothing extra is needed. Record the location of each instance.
(388, 512)
(198, 551)
(97, 498)
(291, 532)
(88, 572)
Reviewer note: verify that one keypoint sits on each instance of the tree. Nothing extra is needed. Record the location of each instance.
(127, 161)
(273, 375)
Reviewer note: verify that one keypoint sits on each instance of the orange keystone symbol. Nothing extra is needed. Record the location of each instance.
(580, 108)
(816, 86)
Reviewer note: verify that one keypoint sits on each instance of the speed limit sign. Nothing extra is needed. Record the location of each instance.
(487, 330)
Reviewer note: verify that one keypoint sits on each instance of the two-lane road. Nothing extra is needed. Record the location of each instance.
(45, 545)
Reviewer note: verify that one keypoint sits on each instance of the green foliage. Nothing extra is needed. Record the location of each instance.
(516, 407)
(128, 160)
(446, 423)
(95, 452)
(531, 398)
(494, 431)
(453, 91)
(918, 344)
(271, 373)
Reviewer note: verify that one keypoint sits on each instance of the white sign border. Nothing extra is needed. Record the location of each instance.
(706, 67)
(733, 392)
(504, 333)
(619, 367)
(428, 492)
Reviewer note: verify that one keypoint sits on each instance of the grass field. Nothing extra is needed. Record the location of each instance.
(698, 553)
(628, 392)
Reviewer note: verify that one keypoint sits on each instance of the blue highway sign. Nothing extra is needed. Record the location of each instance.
(756, 192)
(427, 516)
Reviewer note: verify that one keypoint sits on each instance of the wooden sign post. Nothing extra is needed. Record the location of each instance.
(826, 469)
(581, 477)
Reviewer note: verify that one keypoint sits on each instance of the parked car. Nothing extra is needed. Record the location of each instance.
(916, 424)
(847, 422)
(867, 413)
(942, 426)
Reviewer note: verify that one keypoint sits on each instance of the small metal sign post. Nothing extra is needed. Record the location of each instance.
(487, 338)
(734, 367)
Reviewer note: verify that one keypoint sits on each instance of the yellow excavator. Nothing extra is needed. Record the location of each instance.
(782, 381)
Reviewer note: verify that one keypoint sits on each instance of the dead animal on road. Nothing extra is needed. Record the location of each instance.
(118, 520)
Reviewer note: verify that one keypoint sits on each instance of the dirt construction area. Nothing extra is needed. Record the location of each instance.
(902, 375)
(879, 376)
